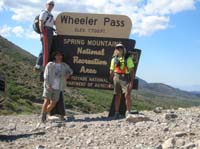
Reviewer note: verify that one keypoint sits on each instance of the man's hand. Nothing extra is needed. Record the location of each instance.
(50, 88)
(67, 76)
(130, 85)
(41, 36)
(111, 75)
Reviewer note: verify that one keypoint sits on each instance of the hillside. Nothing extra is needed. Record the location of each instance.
(167, 90)
(24, 89)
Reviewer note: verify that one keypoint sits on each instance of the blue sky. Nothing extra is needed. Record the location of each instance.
(167, 31)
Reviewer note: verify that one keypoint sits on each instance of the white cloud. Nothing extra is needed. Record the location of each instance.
(18, 31)
(150, 24)
(1, 5)
(148, 16)
(166, 7)
(32, 35)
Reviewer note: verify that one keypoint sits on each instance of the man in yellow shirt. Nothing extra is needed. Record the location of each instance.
(122, 73)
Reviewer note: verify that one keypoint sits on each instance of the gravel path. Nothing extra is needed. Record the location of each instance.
(168, 129)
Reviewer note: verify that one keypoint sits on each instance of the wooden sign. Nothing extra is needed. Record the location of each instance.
(93, 25)
(90, 58)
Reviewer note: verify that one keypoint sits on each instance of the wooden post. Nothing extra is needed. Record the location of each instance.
(45, 54)
(2, 83)
(46, 51)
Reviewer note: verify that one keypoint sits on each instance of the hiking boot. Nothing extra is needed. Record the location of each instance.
(37, 68)
(44, 117)
(135, 112)
(62, 118)
(117, 116)
(129, 116)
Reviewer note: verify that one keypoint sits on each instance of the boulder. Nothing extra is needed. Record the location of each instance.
(158, 110)
(169, 144)
(137, 118)
(170, 116)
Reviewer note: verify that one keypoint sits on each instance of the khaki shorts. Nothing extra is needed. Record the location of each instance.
(120, 85)
(51, 94)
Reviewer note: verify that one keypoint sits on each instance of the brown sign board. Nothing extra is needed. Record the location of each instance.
(90, 58)
(93, 25)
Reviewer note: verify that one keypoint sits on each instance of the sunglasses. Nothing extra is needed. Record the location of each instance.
(119, 47)
(51, 4)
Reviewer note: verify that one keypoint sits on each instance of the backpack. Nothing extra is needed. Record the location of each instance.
(117, 62)
(36, 27)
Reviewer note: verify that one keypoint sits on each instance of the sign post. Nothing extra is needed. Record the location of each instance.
(2, 83)
(45, 43)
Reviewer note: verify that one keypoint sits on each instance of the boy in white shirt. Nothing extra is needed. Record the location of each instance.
(55, 76)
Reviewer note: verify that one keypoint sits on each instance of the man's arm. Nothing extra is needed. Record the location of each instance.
(42, 19)
(46, 76)
(131, 66)
(68, 71)
(41, 26)
(111, 75)
(132, 74)
(112, 69)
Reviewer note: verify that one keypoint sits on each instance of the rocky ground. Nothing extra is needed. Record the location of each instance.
(157, 129)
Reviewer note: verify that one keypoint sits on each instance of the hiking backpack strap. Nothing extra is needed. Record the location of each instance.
(46, 18)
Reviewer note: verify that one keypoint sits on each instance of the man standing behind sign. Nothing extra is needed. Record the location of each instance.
(122, 73)
(46, 23)
(55, 75)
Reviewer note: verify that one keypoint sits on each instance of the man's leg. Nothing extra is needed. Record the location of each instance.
(39, 61)
(127, 92)
(117, 92)
(117, 102)
(45, 104)
(62, 115)
(128, 102)
(51, 106)
(54, 100)
(44, 109)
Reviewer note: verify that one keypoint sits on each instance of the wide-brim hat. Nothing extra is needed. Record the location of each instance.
(50, 2)
(119, 45)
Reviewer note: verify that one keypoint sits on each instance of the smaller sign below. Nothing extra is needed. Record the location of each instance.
(93, 25)
(93, 82)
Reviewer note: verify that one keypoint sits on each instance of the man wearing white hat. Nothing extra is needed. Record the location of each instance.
(121, 71)
(46, 24)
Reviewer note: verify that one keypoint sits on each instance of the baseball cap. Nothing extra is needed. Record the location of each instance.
(119, 46)
(50, 2)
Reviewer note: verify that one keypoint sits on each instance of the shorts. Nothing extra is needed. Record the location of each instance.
(121, 85)
(51, 94)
